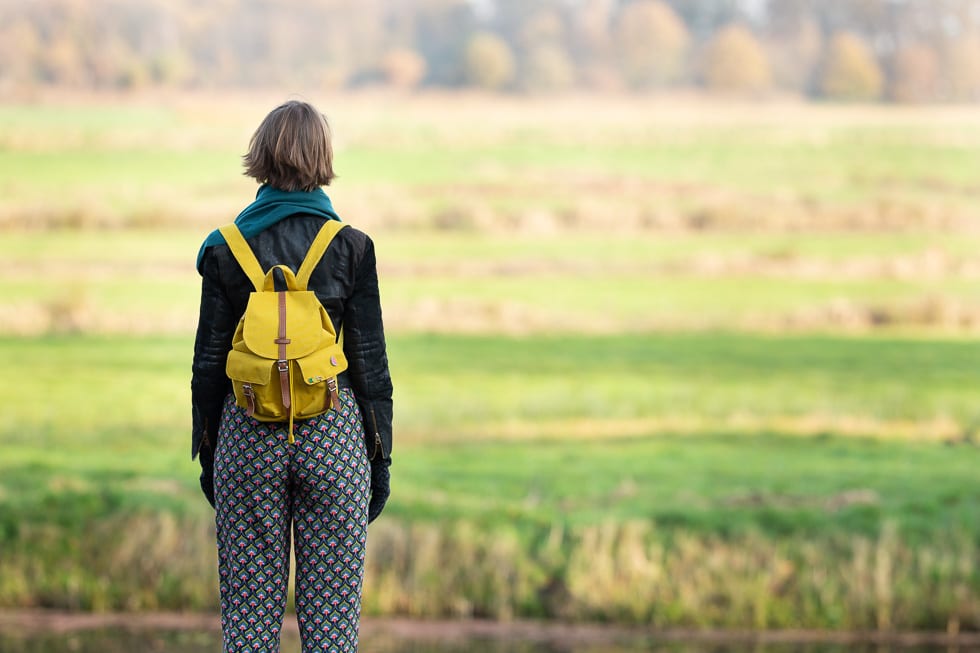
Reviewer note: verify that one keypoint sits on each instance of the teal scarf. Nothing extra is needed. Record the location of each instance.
(270, 206)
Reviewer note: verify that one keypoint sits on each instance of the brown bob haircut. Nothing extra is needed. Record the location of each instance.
(291, 149)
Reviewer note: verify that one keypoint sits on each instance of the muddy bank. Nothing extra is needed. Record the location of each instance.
(33, 622)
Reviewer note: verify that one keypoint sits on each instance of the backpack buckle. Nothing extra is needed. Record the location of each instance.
(282, 365)
(333, 398)
(249, 399)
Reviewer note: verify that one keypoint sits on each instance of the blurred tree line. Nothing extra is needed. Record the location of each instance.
(899, 50)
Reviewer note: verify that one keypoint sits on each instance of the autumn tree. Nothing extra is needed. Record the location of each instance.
(651, 42)
(705, 17)
(961, 69)
(19, 49)
(61, 63)
(735, 62)
(547, 69)
(794, 53)
(931, 47)
(593, 21)
(403, 68)
(173, 67)
(593, 45)
(538, 30)
(442, 28)
(850, 71)
(489, 62)
(915, 74)
(543, 27)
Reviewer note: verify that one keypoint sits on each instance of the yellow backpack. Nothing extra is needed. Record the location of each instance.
(285, 355)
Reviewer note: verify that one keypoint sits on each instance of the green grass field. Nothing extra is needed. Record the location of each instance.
(483, 450)
(177, 160)
(665, 364)
(143, 280)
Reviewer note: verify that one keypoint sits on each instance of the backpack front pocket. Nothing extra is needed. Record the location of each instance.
(251, 377)
(318, 373)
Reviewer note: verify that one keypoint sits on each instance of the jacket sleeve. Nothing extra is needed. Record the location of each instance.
(364, 346)
(209, 383)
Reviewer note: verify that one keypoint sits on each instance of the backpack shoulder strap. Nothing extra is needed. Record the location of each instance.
(243, 254)
(317, 249)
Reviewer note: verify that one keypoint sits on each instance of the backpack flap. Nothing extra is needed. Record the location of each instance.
(248, 368)
(322, 364)
(303, 323)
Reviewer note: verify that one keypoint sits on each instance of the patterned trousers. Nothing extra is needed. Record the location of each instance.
(319, 486)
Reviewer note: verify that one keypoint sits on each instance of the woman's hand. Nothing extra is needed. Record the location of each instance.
(380, 487)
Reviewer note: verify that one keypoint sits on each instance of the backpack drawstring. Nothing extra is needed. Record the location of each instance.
(292, 408)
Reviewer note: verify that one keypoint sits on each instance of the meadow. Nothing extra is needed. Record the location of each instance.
(656, 362)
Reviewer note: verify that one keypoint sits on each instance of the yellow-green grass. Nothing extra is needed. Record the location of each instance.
(448, 383)
(143, 280)
(646, 214)
(455, 161)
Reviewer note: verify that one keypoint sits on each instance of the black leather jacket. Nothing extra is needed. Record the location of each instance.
(346, 283)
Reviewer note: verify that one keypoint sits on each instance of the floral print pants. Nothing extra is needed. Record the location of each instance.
(318, 489)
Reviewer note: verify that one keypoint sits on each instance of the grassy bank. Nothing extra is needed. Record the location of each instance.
(690, 479)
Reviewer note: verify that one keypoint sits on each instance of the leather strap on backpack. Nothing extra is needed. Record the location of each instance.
(283, 364)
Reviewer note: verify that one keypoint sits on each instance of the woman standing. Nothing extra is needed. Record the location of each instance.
(333, 480)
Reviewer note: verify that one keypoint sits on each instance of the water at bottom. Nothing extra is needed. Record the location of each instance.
(113, 640)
